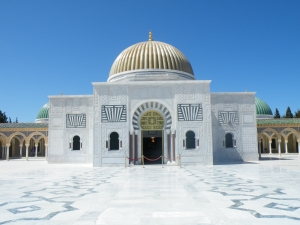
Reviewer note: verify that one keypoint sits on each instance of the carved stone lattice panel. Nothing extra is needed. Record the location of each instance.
(96, 95)
(248, 99)
(189, 112)
(114, 94)
(96, 140)
(69, 106)
(152, 120)
(228, 117)
(56, 106)
(56, 142)
(103, 95)
(247, 107)
(209, 138)
(76, 120)
(207, 97)
(249, 140)
(180, 93)
(198, 93)
(113, 113)
(146, 92)
(189, 93)
(123, 95)
(121, 129)
(96, 114)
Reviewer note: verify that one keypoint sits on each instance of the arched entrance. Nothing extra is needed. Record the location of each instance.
(151, 121)
(152, 124)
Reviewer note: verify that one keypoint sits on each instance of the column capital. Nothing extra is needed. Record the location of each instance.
(279, 141)
(7, 145)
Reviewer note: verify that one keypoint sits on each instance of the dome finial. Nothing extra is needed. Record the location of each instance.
(150, 35)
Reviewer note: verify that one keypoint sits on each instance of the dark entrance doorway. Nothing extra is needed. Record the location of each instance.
(152, 146)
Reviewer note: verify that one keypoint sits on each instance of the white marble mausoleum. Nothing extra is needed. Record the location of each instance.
(152, 108)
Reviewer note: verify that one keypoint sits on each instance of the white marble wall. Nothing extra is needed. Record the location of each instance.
(167, 93)
(243, 127)
(60, 136)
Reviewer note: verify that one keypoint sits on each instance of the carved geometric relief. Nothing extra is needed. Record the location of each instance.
(189, 112)
(228, 117)
(189, 93)
(76, 120)
(104, 95)
(113, 113)
(249, 140)
(57, 107)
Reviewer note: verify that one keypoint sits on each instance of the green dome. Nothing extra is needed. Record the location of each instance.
(262, 108)
(44, 112)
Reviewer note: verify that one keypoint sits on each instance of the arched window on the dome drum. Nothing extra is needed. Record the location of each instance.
(114, 141)
(76, 143)
(228, 140)
(190, 140)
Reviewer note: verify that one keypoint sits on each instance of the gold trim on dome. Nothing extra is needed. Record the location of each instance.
(151, 55)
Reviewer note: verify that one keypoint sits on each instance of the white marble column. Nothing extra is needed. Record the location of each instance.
(169, 147)
(36, 149)
(279, 148)
(3, 152)
(286, 146)
(7, 152)
(21, 151)
(270, 147)
(46, 152)
(173, 147)
(27, 146)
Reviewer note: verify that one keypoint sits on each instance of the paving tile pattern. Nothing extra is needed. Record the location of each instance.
(35, 192)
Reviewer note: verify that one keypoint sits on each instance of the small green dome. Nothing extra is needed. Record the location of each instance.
(44, 112)
(262, 108)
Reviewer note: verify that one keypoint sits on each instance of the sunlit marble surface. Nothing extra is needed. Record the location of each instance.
(265, 192)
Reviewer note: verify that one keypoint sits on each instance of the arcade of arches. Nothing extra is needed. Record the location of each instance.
(22, 139)
(279, 136)
(19, 140)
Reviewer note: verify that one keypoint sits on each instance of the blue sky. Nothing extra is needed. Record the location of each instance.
(53, 46)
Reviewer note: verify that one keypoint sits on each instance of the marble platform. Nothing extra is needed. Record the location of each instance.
(265, 192)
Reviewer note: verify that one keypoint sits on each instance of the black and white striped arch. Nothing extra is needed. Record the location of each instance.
(151, 106)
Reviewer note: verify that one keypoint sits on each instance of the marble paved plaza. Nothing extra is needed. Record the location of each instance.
(265, 192)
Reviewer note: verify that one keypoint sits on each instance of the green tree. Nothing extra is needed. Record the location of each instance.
(288, 113)
(17, 120)
(277, 114)
(9, 120)
(297, 114)
(3, 117)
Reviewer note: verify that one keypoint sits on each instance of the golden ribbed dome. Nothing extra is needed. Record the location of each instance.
(151, 55)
